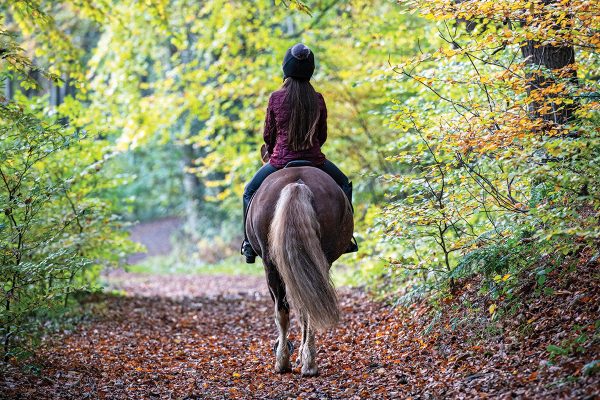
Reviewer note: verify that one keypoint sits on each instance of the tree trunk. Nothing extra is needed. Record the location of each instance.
(9, 89)
(194, 191)
(55, 95)
(554, 58)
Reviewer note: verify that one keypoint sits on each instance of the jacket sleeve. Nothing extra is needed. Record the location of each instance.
(322, 127)
(270, 132)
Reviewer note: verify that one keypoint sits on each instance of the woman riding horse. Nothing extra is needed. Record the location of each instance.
(299, 221)
(295, 129)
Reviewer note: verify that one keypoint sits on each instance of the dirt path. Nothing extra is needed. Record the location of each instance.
(156, 236)
(157, 343)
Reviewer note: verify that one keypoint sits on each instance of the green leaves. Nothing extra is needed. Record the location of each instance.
(591, 368)
(480, 161)
(56, 230)
(556, 350)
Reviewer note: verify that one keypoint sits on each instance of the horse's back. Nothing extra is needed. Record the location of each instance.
(329, 201)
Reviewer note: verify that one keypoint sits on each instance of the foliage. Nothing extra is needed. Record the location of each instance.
(174, 265)
(497, 137)
(56, 231)
(153, 166)
(201, 86)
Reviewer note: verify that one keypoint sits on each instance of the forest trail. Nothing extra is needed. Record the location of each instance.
(155, 236)
(210, 337)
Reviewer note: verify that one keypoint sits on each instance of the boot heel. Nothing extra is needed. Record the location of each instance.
(248, 252)
(353, 247)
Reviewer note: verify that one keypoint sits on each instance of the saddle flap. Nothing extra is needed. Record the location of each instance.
(299, 163)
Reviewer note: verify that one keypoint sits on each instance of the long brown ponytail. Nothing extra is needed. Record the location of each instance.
(304, 113)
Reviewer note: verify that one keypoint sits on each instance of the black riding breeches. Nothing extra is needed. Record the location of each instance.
(338, 176)
(255, 183)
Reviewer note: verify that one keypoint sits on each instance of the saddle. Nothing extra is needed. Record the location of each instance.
(299, 163)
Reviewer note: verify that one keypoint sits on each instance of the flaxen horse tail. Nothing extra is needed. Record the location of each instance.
(295, 248)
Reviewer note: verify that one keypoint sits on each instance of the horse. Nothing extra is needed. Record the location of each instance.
(299, 222)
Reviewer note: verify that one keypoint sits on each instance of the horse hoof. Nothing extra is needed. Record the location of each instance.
(307, 372)
(289, 344)
(283, 369)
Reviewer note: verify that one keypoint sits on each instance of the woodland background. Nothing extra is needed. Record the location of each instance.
(469, 129)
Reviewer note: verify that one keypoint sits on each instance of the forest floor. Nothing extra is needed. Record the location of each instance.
(210, 337)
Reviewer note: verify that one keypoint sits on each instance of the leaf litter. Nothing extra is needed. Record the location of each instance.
(210, 337)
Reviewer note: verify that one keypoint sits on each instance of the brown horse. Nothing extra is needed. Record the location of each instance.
(299, 223)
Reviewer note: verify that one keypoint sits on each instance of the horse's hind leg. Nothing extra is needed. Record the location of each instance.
(308, 351)
(282, 319)
(304, 328)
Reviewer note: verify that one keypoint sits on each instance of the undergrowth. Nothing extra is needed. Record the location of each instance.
(175, 264)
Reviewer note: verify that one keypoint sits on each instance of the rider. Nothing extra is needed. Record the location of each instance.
(295, 129)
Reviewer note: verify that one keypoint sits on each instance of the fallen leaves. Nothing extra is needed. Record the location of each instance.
(216, 345)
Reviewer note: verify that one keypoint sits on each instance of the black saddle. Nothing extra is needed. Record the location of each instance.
(299, 163)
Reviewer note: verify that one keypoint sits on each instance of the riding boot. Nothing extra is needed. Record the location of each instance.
(353, 247)
(348, 192)
(247, 250)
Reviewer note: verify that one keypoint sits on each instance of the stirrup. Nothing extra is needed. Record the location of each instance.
(248, 252)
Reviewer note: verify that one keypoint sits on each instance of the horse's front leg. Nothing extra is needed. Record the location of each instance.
(308, 351)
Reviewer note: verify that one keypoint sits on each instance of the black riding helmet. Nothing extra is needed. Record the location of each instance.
(298, 62)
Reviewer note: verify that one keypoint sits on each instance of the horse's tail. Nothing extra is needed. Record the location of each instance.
(295, 248)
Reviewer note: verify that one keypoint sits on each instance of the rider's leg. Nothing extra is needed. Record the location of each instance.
(249, 191)
(341, 179)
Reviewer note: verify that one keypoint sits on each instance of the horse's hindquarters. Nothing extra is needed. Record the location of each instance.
(332, 209)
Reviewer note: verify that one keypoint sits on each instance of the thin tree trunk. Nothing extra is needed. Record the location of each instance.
(9, 89)
(9, 333)
(193, 189)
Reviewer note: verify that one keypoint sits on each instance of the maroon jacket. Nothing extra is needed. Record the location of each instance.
(276, 131)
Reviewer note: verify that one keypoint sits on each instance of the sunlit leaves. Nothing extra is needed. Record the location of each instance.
(493, 128)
